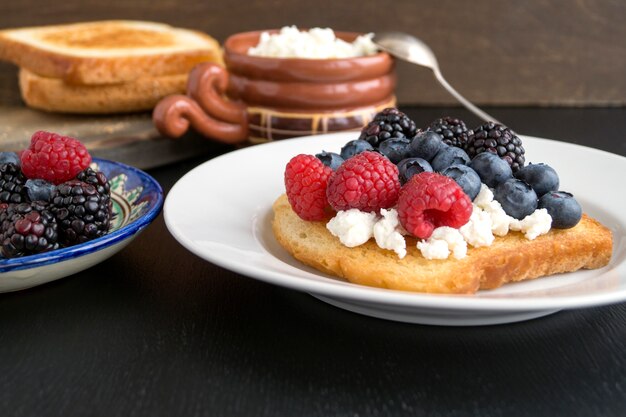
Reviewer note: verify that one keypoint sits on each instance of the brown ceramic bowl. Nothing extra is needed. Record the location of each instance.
(261, 99)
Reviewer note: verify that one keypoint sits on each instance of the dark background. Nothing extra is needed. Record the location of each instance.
(548, 52)
(156, 331)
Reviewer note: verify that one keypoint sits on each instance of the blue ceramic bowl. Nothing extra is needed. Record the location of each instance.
(137, 199)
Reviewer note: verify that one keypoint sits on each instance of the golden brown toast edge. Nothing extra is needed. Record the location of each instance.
(54, 95)
(511, 258)
(105, 70)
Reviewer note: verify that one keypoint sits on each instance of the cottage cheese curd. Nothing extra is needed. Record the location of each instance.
(317, 43)
(353, 227)
(477, 231)
(442, 242)
(389, 233)
(533, 225)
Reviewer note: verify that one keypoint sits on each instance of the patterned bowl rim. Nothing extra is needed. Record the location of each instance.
(64, 254)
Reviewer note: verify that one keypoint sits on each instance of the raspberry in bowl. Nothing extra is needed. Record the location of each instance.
(62, 211)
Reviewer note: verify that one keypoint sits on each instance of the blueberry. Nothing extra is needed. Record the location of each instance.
(355, 147)
(396, 149)
(330, 159)
(412, 166)
(39, 190)
(517, 198)
(426, 145)
(563, 208)
(466, 177)
(448, 156)
(541, 177)
(9, 158)
(491, 169)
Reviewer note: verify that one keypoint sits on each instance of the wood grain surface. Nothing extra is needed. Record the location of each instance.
(131, 138)
(156, 331)
(563, 52)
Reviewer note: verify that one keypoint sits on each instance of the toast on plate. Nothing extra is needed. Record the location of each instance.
(511, 258)
(52, 94)
(107, 52)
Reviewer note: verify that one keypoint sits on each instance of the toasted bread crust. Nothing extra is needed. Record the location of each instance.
(95, 68)
(509, 259)
(54, 95)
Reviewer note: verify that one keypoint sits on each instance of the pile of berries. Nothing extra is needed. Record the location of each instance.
(431, 176)
(50, 198)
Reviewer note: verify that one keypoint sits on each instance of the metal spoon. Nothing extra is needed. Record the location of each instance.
(411, 49)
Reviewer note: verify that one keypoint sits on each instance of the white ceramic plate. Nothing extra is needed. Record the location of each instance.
(222, 212)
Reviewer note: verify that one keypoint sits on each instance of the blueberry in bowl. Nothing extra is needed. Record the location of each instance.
(395, 149)
(466, 177)
(565, 211)
(517, 198)
(330, 159)
(543, 178)
(425, 145)
(412, 166)
(448, 156)
(355, 147)
(491, 169)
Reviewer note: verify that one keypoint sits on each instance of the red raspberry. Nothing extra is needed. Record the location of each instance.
(430, 200)
(54, 158)
(367, 181)
(306, 178)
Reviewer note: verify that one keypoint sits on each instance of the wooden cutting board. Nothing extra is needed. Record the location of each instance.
(131, 139)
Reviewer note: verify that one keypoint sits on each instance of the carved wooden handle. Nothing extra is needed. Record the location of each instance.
(204, 108)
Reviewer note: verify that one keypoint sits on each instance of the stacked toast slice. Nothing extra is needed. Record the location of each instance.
(106, 66)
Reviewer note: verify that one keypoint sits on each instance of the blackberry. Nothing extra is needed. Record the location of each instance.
(453, 131)
(82, 212)
(389, 123)
(27, 229)
(11, 184)
(500, 140)
(97, 179)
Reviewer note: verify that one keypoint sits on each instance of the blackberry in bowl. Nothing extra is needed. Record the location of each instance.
(499, 140)
(27, 229)
(136, 199)
(83, 213)
(63, 211)
(453, 131)
(11, 183)
(387, 124)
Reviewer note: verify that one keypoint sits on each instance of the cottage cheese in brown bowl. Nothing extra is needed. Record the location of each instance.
(281, 84)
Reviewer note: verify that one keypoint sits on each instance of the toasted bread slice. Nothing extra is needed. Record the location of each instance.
(510, 258)
(54, 95)
(107, 52)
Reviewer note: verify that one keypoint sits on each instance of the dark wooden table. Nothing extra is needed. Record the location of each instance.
(156, 331)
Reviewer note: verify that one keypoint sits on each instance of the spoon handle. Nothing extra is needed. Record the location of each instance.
(465, 102)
